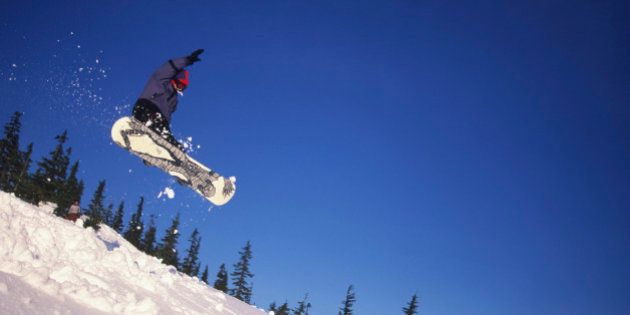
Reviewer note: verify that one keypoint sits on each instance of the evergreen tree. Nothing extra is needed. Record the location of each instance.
(412, 307)
(346, 308)
(25, 186)
(12, 161)
(108, 215)
(167, 250)
(221, 283)
(9, 148)
(190, 265)
(117, 223)
(303, 307)
(74, 186)
(242, 274)
(148, 242)
(95, 209)
(273, 307)
(50, 176)
(134, 231)
(283, 309)
(204, 275)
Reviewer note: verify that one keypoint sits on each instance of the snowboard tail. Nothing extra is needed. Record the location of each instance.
(140, 140)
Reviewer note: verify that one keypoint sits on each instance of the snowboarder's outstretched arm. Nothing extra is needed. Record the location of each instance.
(165, 83)
(171, 68)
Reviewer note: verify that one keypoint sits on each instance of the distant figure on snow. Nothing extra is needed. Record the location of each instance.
(158, 100)
(74, 212)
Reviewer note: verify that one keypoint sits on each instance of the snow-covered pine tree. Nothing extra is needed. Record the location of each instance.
(242, 274)
(303, 307)
(148, 241)
(134, 231)
(221, 283)
(190, 265)
(50, 176)
(167, 250)
(117, 223)
(204, 275)
(412, 307)
(96, 208)
(346, 305)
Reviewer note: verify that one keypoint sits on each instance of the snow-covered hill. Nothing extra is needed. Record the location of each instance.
(49, 265)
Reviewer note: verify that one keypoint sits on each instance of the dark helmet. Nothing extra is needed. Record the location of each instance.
(180, 82)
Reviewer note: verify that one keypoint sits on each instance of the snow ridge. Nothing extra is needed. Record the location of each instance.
(77, 271)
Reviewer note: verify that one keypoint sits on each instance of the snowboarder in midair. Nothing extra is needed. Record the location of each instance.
(148, 134)
(158, 100)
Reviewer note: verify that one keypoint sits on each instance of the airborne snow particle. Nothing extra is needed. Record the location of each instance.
(14, 65)
(168, 192)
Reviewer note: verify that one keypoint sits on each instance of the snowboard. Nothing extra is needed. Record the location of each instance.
(135, 137)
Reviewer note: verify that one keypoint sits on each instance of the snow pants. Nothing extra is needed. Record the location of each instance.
(147, 112)
(73, 216)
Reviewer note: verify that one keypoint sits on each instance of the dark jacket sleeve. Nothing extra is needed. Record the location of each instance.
(169, 69)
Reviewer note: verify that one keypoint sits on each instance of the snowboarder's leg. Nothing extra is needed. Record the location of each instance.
(144, 110)
(147, 112)
(160, 125)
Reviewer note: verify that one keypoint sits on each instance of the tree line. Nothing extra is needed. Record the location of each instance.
(347, 305)
(55, 180)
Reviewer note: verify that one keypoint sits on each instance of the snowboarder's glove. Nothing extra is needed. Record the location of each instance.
(194, 57)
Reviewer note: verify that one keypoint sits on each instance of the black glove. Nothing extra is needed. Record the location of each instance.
(194, 57)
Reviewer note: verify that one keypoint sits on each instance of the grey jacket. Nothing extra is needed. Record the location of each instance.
(160, 91)
(74, 209)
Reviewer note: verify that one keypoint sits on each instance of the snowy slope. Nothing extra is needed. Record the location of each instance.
(52, 266)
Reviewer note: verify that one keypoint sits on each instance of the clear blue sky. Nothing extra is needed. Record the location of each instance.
(475, 154)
